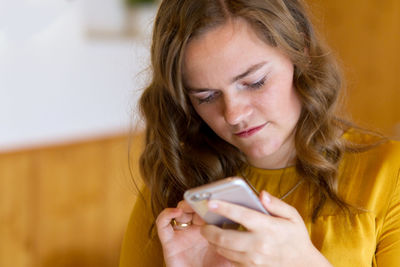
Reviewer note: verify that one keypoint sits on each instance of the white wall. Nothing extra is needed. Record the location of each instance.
(59, 85)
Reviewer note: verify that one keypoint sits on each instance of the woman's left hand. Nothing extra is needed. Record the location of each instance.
(278, 239)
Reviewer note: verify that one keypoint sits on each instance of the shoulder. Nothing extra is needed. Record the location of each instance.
(370, 177)
(141, 246)
(373, 149)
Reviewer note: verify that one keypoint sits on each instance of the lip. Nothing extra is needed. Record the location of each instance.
(251, 131)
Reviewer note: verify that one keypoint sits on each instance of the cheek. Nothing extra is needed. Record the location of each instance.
(268, 101)
(214, 120)
(201, 112)
(279, 102)
(206, 113)
(295, 103)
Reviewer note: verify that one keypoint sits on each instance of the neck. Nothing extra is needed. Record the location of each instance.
(284, 157)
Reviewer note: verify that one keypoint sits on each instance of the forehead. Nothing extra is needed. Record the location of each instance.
(223, 52)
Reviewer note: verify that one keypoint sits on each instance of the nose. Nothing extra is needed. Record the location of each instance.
(236, 110)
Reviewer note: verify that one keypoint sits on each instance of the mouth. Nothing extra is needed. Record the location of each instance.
(251, 131)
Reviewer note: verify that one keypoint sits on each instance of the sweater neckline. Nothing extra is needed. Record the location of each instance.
(255, 170)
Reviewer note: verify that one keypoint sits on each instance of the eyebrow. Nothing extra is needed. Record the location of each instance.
(250, 70)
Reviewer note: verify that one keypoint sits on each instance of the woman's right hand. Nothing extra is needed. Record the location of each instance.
(186, 247)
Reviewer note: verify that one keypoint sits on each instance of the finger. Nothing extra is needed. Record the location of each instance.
(251, 219)
(188, 212)
(278, 208)
(230, 239)
(185, 206)
(184, 218)
(227, 262)
(163, 223)
(237, 258)
(197, 220)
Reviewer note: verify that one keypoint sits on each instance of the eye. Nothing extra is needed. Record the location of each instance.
(207, 98)
(257, 84)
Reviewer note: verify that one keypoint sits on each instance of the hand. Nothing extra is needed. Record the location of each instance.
(279, 239)
(187, 247)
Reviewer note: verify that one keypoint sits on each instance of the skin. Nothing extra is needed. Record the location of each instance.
(263, 96)
(235, 91)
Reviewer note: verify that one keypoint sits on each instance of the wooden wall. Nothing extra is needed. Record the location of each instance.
(68, 205)
(365, 35)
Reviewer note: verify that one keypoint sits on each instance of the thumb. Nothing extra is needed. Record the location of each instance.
(277, 207)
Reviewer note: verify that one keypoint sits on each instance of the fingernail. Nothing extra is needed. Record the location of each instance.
(265, 197)
(212, 204)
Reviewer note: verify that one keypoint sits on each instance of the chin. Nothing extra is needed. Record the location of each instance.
(260, 151)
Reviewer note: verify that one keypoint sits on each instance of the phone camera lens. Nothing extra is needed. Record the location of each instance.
(201, 196)
(205, 195)
(195, 197)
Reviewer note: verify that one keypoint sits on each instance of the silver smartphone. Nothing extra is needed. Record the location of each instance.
(234, 190)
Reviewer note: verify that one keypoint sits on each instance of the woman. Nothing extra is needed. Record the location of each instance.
(245, 88)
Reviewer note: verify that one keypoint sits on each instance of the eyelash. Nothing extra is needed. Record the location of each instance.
(212, 96)
(258, 84)
(207, 99)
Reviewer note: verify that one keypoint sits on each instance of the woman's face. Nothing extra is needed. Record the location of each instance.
(243, 89)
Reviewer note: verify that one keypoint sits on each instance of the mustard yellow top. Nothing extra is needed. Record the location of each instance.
(368, 236)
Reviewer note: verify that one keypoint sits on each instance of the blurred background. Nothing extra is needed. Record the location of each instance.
(70, 76)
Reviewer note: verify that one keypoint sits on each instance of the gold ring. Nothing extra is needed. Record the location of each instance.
(180, 226)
